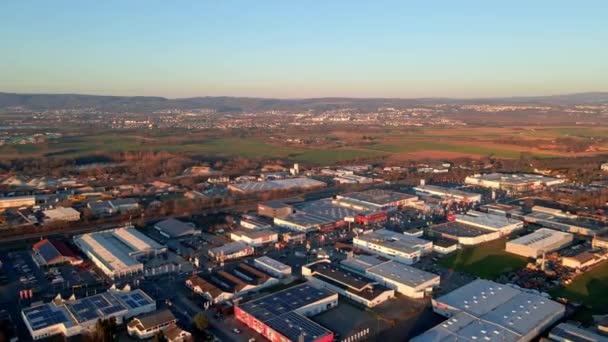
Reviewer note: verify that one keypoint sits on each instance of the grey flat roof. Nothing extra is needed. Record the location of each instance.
(396, 241)
(277, 265)
(402, 273)
(378, 197)
(479, 297)
(573, 333)
(487, 220)
(175, 228)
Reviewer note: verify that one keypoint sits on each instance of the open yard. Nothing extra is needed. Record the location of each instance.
(488, 260)
(590, 289)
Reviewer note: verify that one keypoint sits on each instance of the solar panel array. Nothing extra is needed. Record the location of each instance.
(46, 315)
(134, 299)
(293, 325)
(95, 307)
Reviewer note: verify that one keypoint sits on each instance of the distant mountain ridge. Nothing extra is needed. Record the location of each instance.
(227, 103)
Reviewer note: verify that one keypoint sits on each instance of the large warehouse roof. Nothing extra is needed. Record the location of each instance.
(175, 228)
(280, 184)
(378, 197)
(117, 248)
(541, 238)
(487, 221)
(402, 273)
(485, 310)
(389, 239)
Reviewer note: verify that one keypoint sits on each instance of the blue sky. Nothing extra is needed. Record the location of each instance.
(304, 48)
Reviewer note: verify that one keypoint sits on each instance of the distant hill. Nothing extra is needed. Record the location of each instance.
(232, 104)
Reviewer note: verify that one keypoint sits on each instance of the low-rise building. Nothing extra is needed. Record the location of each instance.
(62, 214)
(513, 182)
(453, 195)
(600, 242)
(173, 333)
(272, 266)
(207, 289)
(229, 251)
(499, 223)
(581, 260)
(461, 233)
(283, 316)
(488, 311)
(357, 287)
(16, 202)
(541, 241)
(172, 228)
(147, 326)
(400, 247)
(73, 317)
(604, 167)
(407, 280)
(49, 252)
(255, 237)
(567, 332)
(274, 209)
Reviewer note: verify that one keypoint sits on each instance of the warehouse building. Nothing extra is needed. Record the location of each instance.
(360, 263)
(148, 325)
(499, 223)
(513, 182)
(255, 237)
(541, 241)
(252, 222)
(273, 267)
(400, 247)
(230, 251)
(283, 316)
(581, 260)
(305, 222)
(301, 183)
(117, 252)
(70, 318)
(487, 311)
(567, 332)
(566, 222)
(453, 195)
(407, 280)
(375, 199)
(16, 202)
(62, 214)
(357, 287)
(274, 209)
(600, 242)
(172, 228)
(461, 233)
(49, 252)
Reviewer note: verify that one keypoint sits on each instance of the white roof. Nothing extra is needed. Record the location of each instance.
(479, 296)
(61, 213)
(389, 239)
(402, 273)
(541, 238)
(486, 220)
(272, 263)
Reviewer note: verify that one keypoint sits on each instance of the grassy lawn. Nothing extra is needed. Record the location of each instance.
(330, 156)
(488, 260)
(590, 289)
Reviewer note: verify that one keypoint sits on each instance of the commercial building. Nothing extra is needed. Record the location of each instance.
(357, 287)
(208, 290)
(62, 214)
(600, 242)
(498, 223)
(581, 260)
(360, 263)
(272, 266)
(71, 318)
(461, 233)
(252, 222)
(304, 222)
(604, 167)
(229, 251)
(255, 237)
(274, 209)
(565, 222)
(173, 333)
(541, 241)
(400, 247)
(148, 325)
(122, 205)
(567, 332)
(16, 202)
(283, 316)
(487, 311)
(49, 252)
(453, 195)
(277, 185)
(375, 199)
(407, 280)
(513, 182)
(117, 252)
(172, 228)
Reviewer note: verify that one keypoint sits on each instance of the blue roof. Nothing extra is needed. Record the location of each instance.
(47, 315)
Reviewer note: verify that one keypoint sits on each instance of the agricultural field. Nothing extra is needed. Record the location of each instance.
(591, 289)
(395, 144)
(488, 260)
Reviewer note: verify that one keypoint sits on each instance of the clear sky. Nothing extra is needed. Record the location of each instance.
(305, 48)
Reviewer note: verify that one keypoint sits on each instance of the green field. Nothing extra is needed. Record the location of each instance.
(325, 157)
(488, 260)
(590, 289)
(417, 146)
